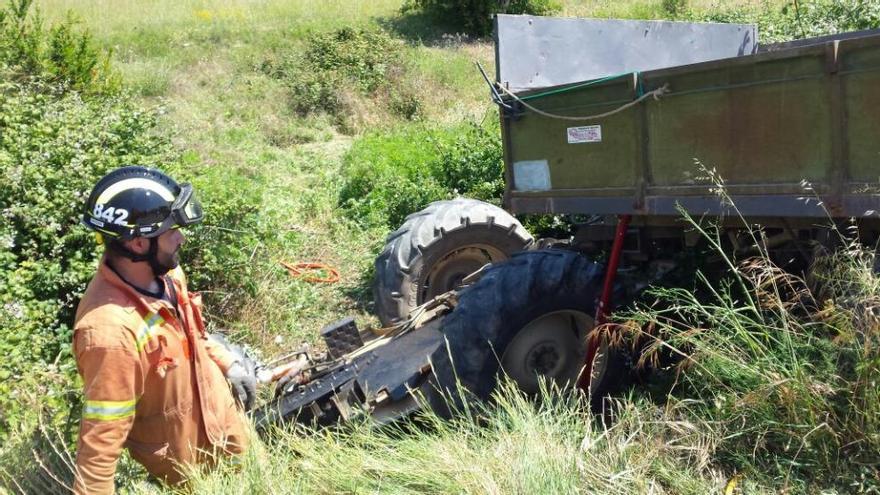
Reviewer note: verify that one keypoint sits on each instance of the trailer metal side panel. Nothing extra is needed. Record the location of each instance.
(578, 167)
(861, 80)
(792, 132)
(764, 125)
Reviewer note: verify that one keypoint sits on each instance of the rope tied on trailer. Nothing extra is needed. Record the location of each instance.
(656, 94)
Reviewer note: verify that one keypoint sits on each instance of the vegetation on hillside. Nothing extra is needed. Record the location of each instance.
(390, 175)
(476, 16)
(337, 67)
(793, 20)
(307, 143)
(61, 54)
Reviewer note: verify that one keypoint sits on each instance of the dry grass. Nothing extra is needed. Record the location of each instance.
(553, 445)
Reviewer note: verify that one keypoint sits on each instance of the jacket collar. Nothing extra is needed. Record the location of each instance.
(141, 301)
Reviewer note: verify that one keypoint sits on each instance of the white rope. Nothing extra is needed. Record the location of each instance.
(656, 94)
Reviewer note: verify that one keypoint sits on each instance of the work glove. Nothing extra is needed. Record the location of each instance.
(242, 375)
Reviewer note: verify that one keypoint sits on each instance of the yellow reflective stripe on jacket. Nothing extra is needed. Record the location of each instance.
(107, 410)
(145, 333)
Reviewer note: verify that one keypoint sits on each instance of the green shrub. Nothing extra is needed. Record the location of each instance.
(62, 54)
(362, 57)
(54, 145)
(674, 7)
(475, 16)
(224, 252)
(804, 19)
(336, 65)
(387, 177)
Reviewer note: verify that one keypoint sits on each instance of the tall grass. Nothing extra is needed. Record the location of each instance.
(784, 369)
(518, 445)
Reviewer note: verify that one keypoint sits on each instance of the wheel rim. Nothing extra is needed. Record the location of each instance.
(553, 346)
(447, 273)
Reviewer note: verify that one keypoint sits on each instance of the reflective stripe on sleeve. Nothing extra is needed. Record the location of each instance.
(145, 333)
(108, 410)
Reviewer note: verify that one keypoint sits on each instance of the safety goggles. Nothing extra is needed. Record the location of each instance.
(185, 211)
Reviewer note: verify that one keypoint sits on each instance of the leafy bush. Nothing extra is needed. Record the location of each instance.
(803, 19)
(387, 177)
(61, 54)
(54, 145)
(674, 7)
(220, 253)
(337, 64)
(60, 131)
(475, 16)
(362, 57)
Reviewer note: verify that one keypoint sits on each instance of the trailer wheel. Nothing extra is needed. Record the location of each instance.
(436, 248)
(527, 317)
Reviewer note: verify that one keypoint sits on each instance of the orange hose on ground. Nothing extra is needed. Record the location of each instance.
(307, 271)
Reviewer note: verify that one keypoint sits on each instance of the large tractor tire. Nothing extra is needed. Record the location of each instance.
(527, 317)
(436, 248)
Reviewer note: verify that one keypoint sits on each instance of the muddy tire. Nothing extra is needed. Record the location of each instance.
(436, 248)
(525, 317)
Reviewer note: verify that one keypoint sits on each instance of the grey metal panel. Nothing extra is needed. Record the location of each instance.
(539, 52)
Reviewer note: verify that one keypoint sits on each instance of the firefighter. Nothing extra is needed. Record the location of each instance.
(153, 381)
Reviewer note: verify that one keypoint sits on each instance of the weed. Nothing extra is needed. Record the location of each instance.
(777, 365)
(517, 445)
(338, 68)
(388, 177)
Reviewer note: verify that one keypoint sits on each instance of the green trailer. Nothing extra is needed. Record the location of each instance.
(792, 131)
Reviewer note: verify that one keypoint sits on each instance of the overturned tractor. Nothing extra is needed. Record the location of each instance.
(609, 138)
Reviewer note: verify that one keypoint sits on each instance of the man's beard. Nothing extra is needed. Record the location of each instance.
(163, 264)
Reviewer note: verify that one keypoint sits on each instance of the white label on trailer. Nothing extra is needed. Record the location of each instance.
(585, 134)
(531, 175)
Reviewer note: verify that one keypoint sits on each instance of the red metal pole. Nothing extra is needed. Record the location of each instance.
(604, 299)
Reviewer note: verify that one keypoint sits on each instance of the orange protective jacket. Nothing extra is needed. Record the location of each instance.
(153, 383)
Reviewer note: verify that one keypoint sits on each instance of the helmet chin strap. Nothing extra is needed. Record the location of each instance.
(150, 256)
